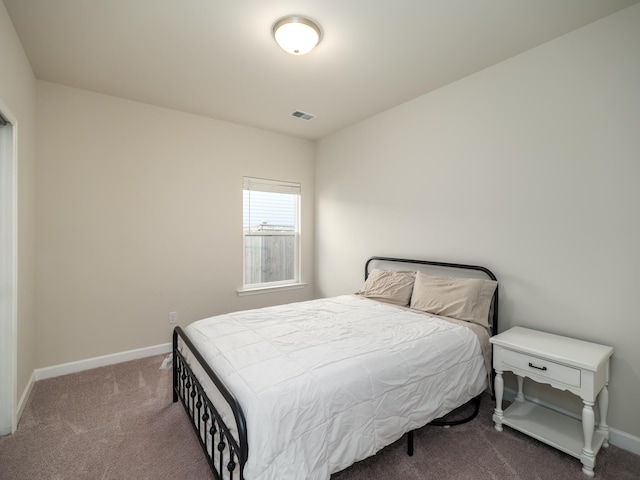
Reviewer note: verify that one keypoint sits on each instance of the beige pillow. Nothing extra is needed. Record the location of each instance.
(389, 286)
(466, 299)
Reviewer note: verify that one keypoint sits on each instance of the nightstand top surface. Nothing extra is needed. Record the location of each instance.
(566, 350)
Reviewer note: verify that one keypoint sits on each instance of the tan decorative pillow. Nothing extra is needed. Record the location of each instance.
(389, 286)
(466, 299)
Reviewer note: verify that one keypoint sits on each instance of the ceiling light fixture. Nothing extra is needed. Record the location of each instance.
(296, 35)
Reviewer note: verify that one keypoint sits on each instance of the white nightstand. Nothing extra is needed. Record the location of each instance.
(566, 364)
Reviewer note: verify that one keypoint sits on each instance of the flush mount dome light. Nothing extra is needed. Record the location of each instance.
(296, 35)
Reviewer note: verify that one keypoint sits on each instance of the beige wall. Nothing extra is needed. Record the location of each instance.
(18, 93)
(530, 168)
(139, 215)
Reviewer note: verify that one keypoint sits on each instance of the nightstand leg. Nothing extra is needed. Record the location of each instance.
(588, 457)
(603, 404)
(520, 394)
(498, 413)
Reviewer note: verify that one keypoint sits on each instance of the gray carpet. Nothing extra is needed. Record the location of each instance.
(118, 423)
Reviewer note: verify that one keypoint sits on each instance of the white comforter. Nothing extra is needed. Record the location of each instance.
(328, 382)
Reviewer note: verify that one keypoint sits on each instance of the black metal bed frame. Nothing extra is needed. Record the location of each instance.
(222, 449)
(443, 422)
(219, 445)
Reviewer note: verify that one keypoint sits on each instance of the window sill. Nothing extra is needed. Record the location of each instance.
(275, 288)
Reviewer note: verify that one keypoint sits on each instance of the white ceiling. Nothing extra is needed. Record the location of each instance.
(218, 58)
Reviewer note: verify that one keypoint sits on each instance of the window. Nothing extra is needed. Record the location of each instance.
(271, 232)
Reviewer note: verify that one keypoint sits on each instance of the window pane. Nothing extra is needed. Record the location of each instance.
(269, 258)
(266, 211)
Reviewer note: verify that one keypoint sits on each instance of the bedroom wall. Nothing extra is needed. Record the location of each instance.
(530, 168)
(18, 94)
(139, 215)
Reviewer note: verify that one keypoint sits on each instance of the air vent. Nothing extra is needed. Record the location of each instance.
(303, 115)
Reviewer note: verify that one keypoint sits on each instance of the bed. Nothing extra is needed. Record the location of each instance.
(307, 389)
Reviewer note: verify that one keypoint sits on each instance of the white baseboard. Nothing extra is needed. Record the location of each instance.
(103, 361)
(87, 364)
(621, 439)
(25, 396)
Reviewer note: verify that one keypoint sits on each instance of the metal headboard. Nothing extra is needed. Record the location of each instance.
(442, 268)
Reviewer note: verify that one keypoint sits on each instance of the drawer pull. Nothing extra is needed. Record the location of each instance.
(539, 368)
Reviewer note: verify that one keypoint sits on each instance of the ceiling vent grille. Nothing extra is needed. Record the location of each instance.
(303, 115)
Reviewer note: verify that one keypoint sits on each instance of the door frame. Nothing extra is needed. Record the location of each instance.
(8, 272)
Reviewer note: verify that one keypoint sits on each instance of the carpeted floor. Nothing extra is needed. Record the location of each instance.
(119, 423)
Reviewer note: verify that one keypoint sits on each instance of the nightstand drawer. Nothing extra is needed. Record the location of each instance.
(542, 368)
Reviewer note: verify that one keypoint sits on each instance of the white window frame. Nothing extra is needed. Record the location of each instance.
(274, 186)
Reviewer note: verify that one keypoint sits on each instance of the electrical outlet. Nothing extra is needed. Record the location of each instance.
(173, 317)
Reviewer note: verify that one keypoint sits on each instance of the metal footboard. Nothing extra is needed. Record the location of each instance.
(226, 453)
